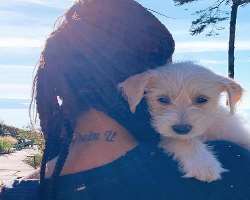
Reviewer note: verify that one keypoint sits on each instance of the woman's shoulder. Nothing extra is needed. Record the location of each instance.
(146, 172)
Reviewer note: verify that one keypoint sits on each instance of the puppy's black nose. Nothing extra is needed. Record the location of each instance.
(182, 129)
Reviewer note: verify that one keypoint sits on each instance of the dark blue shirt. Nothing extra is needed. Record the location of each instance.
(147, 173)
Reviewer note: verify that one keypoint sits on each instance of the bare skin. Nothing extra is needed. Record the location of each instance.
(98, 140)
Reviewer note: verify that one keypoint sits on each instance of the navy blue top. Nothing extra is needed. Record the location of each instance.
(147, 173)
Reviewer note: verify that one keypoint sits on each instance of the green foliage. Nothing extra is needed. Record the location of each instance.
(208, 18)
(7, 129)
(6, 145)
(203, 22)
(34, 137)
(23, 135)
(34, 160)
(211, 17)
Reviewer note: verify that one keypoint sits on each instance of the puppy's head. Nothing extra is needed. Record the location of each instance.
(183, 98)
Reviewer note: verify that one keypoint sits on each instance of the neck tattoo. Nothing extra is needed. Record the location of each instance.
(107, 136)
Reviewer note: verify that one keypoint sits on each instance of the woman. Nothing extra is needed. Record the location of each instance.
(96, 148)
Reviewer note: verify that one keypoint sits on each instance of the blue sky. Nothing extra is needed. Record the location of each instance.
(25, 24)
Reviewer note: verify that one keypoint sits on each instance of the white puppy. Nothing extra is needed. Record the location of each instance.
(184, 103)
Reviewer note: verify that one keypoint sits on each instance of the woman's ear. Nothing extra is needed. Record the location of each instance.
(134, 87)
(234, 91)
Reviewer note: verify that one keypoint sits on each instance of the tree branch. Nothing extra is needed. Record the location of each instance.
(209, 16)
(182, 2)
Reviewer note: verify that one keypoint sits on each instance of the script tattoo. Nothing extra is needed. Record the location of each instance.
(108, 136)
(89, 137)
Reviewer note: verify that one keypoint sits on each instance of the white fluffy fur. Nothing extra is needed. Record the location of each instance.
(182, 82)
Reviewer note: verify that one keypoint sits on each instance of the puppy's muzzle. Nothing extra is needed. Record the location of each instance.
(182, 129)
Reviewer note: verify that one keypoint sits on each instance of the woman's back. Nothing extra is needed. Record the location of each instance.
(146, 173)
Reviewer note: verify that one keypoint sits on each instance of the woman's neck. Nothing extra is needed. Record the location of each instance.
(95, 126)
(98, 140)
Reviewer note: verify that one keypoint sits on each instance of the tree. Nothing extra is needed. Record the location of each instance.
(211, 17)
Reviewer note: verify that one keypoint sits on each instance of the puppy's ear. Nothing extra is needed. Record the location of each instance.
(234, 91)
(134, 87)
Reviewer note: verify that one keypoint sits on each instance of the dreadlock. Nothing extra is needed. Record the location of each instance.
(97, 45)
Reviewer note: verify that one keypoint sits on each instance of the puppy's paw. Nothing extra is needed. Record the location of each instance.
(206, 171)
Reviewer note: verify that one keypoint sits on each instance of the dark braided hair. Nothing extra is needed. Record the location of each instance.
(97, 45)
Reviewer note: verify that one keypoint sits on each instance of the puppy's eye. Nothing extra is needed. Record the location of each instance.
(164, 100)
(201, 100)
